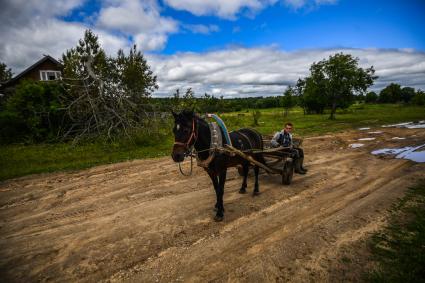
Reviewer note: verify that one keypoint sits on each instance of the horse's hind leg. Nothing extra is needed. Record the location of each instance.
(245, 168)
(256, 186)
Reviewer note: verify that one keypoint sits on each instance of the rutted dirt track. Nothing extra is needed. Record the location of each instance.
(141, 221)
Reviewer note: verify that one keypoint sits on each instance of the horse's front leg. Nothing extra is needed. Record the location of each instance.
(256, 186)
(214, 180)
(220, 206)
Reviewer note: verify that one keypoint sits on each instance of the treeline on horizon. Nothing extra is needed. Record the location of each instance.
(393, 93)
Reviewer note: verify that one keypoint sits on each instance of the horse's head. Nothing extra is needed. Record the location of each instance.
(184, 134)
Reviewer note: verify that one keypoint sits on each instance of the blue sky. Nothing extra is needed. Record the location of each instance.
(226, 47)
(355, 24)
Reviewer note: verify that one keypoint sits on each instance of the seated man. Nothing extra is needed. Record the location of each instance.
(284, 138)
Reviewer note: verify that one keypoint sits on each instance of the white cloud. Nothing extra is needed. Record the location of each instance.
(230, 9)
(222, 8)
(268, 71)
(140, 19)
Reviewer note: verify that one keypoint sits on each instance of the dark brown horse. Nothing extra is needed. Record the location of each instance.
(192, 131)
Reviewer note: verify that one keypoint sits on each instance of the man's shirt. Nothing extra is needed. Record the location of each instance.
(282, 138)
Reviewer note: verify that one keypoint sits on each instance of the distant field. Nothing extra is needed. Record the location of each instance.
(20, 160)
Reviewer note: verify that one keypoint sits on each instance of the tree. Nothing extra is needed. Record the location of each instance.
(407, 93)
(339, 78)
(288, 100)
(5, 73)
(419, 98)
(312, 95)
(391, 94)
(108, 94)
(371, 97)
(134, 74)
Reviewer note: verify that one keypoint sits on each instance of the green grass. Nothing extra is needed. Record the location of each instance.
(399, 249)
(20, 160)
(359, 115)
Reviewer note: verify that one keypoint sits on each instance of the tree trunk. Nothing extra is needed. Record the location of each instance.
(333, 110)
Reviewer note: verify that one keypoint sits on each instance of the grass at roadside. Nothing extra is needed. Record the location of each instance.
(399, 250)
(20, 160)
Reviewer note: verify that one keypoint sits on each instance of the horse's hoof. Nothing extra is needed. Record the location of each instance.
(255, 193)
(218, 218)
(242, 191)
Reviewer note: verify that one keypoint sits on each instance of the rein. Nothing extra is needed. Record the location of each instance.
(188, 148)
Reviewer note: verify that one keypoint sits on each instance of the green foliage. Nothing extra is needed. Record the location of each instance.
(34, 112)
(407, 93)
(287, 100)
(312, 96)
(333, 82)
(390, 94)
(108, 95)
(400, 248)
(371, 97)
(419, 98)
(5, 73)
(133, 74)
(256, 114)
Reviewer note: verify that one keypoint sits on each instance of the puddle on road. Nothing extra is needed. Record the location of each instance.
(398, 138)
(375, 132)
(363, 129)
(409, 125)
(408, 152)
(366, 139)
(356, 145)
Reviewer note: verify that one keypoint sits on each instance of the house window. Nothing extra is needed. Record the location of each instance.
(49, 75)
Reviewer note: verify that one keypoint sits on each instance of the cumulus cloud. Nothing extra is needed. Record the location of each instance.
(140, 19)
(30, 29)
(245, 72)
(223, 8)
(230, 9)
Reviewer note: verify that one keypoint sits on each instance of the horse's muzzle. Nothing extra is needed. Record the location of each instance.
(178, 154)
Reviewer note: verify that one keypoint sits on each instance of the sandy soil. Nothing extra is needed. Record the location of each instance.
(141, 221)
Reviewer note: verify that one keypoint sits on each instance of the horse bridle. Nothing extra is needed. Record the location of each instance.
(193, 136)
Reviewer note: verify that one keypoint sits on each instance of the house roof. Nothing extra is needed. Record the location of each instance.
(30, 68)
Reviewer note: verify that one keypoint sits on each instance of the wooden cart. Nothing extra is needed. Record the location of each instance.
(278, 160)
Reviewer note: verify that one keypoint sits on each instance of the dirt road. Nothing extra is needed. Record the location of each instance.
(141, 221)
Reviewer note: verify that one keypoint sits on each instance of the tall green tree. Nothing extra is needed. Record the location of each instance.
(390, 94)
(110, 94)
(407, 93)
(371, 97)
(5, 73)
(133, 74)
(339, 78)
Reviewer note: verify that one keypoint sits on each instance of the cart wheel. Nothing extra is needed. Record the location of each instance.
(288, 172)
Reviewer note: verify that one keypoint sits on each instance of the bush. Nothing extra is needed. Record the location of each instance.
(36, 110)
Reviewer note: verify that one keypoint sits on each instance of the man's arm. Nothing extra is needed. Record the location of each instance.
(274, 142)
